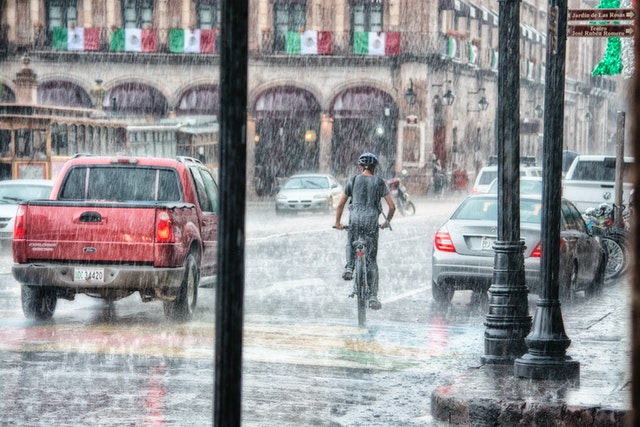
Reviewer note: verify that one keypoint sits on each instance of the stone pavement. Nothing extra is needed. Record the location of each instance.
(599, 329)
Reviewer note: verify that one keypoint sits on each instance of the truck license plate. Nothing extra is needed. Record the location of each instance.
(88, 275)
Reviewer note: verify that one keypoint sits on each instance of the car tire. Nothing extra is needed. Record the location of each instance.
(568, 288)
(595, 288)
(38, 303)
(181, 309)
(442, 292)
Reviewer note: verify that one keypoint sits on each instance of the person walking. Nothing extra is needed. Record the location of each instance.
(364, 192)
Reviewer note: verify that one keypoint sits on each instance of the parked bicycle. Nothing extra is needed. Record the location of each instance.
(615, 239)
(361, 289)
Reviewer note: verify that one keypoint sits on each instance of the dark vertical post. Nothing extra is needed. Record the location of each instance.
(546, 357)
(231, 238)
(617, 218)
(508, 320)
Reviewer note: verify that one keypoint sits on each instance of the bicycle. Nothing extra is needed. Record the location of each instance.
(615, 240)
(361, 290)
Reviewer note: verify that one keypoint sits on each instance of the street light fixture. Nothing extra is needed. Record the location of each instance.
(539, 111)
(448, 96)
(482, 102)
(410, 95)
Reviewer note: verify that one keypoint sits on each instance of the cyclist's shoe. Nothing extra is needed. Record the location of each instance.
(347, 274)
(374, 304)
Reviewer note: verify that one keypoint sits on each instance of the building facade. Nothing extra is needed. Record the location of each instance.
(328, 79)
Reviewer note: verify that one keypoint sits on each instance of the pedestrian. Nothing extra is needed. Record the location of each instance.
(364, 192)
(438, 175)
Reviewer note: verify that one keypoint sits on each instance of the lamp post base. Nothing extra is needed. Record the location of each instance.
(547, 368)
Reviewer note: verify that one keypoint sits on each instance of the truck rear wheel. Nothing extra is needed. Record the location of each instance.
(38, 303)
(181, 309)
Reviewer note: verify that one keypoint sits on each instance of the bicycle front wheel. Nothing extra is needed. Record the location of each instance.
(361, 291)
(617, 257)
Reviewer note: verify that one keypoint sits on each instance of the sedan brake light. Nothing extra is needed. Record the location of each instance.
(537, 251)
(443, 242)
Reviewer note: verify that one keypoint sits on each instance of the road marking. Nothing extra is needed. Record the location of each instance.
(405, 295)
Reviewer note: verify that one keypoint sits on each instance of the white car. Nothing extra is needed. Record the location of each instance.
(487, 174)
(14, 191)
(308, 192)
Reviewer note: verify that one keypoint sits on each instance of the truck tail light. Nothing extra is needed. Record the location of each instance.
(164, 228)
(20, 223)
(443, 242)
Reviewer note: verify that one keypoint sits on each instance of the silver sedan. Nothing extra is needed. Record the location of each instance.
(308, 192)
(463, 256)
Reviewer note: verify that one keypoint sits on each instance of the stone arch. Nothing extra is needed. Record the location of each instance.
(7, 95)
(200, 99)
(286, 117)
(364, 120)
(136, 98)
(63, 93)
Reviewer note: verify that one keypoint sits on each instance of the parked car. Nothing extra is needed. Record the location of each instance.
(487, 174)
(14, 191)
(528, 185)
(591, 180)
(463, 256)
(308, 192)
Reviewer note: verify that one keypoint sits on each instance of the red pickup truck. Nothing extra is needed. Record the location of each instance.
(117, 225)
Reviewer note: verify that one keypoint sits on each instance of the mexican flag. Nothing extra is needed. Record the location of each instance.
(133, 40)
(309, 43)
(375, 43)
(76, 38)
(196, 41)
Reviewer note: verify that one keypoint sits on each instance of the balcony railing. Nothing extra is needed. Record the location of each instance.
(203, 43)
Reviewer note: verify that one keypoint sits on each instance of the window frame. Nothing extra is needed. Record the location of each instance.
(139, 8)
(287, 16)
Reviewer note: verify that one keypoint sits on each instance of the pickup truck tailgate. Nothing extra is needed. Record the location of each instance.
(90, 232)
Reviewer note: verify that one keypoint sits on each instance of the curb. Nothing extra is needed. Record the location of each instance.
(492, 396)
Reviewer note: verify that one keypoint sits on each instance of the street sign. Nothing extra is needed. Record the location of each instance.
(601, 14)
(600, 30)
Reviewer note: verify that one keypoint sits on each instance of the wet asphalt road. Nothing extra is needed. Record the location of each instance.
(305, 361)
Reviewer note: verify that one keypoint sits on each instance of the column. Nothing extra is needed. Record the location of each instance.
(326, 132)
(186, 14)
(251, 155)
(87, 14)
(26, 85)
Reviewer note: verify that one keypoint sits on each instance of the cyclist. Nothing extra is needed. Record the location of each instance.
(365, 192)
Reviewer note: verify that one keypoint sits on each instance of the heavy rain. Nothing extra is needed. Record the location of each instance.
(419, 85)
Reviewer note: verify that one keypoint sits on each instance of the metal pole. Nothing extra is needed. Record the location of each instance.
(231, 237)
(617, 219)
(546, 357)
(508, 320)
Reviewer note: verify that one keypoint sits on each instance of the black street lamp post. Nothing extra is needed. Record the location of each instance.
(508, 321)
(546, 357)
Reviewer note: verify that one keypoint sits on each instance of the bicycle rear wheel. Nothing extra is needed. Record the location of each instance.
(361, 291)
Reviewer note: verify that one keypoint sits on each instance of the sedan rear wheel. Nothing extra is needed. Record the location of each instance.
(442, 292)
(568, 288)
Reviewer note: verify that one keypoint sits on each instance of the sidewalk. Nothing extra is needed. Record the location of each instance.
(600, 335)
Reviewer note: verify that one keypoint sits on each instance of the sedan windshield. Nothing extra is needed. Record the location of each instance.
(306, 183)
(15, 193)
(482, 209)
